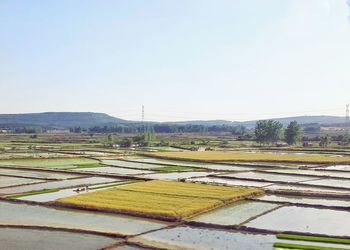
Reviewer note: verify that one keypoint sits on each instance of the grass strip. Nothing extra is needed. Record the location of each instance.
(45, 191)
(114, 185)
(304, 247)
(313, 238)
(88, 165)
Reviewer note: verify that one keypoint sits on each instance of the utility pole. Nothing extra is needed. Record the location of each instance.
(347, 119)
(143, 119)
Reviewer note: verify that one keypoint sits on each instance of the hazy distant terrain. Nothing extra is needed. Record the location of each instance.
(59, 119)
(88, 119)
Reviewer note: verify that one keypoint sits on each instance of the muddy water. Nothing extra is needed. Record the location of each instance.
(305, 220)
(232, 182)
(184, 237)
(307, 200)
(20, 238)
(235, 214)
(57, 184)
(271, 177)
(6, 181)
(34, 215)
(115, 170)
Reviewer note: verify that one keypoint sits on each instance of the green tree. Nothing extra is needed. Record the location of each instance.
(292, 134)
(268, 131)
(325, 140)
(126, 142)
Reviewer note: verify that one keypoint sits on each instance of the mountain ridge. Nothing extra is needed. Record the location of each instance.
(88, 119)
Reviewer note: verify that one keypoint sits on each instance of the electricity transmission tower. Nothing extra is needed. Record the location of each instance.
(347, 119)
(143, 119)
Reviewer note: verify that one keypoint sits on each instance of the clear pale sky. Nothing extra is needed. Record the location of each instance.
(182, 59)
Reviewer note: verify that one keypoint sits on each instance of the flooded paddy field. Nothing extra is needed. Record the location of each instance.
(231, 182)
(311, 172)
(338, 167)
(210, 166)
(307, 200)
(26, 238)
(57, 184)
(331, 183)
(115, 170)
(6, 181)
(53, 195)
(185, 237)
(36, 174)
(297, 197)
(33, 155)
(305, 220)
(36, 215)
(306, 189)
(127, 164)
(270, 177)
(176, 176)
(89, 153)
(59, 163)
(235, 214)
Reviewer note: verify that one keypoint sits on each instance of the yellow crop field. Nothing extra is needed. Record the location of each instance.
(235, 156)
(222, 193)
(167, 200)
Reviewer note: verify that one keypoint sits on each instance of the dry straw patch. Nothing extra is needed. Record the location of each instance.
(166, 200)
(234, 156)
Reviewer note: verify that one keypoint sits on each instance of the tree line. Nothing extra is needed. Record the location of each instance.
(163, 128)
(270, 131)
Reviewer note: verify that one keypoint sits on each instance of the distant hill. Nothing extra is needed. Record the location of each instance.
(205, 122)
(89, 119)
(59, 119)
(285, 121)
(322, 120)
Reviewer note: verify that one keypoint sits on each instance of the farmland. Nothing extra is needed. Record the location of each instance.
(254, 157)
(161, 199)
(250, 198)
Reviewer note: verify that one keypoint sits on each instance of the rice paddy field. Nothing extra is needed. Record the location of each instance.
(160, 199)
(238, 156)
(53, 163)
(85, 196)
